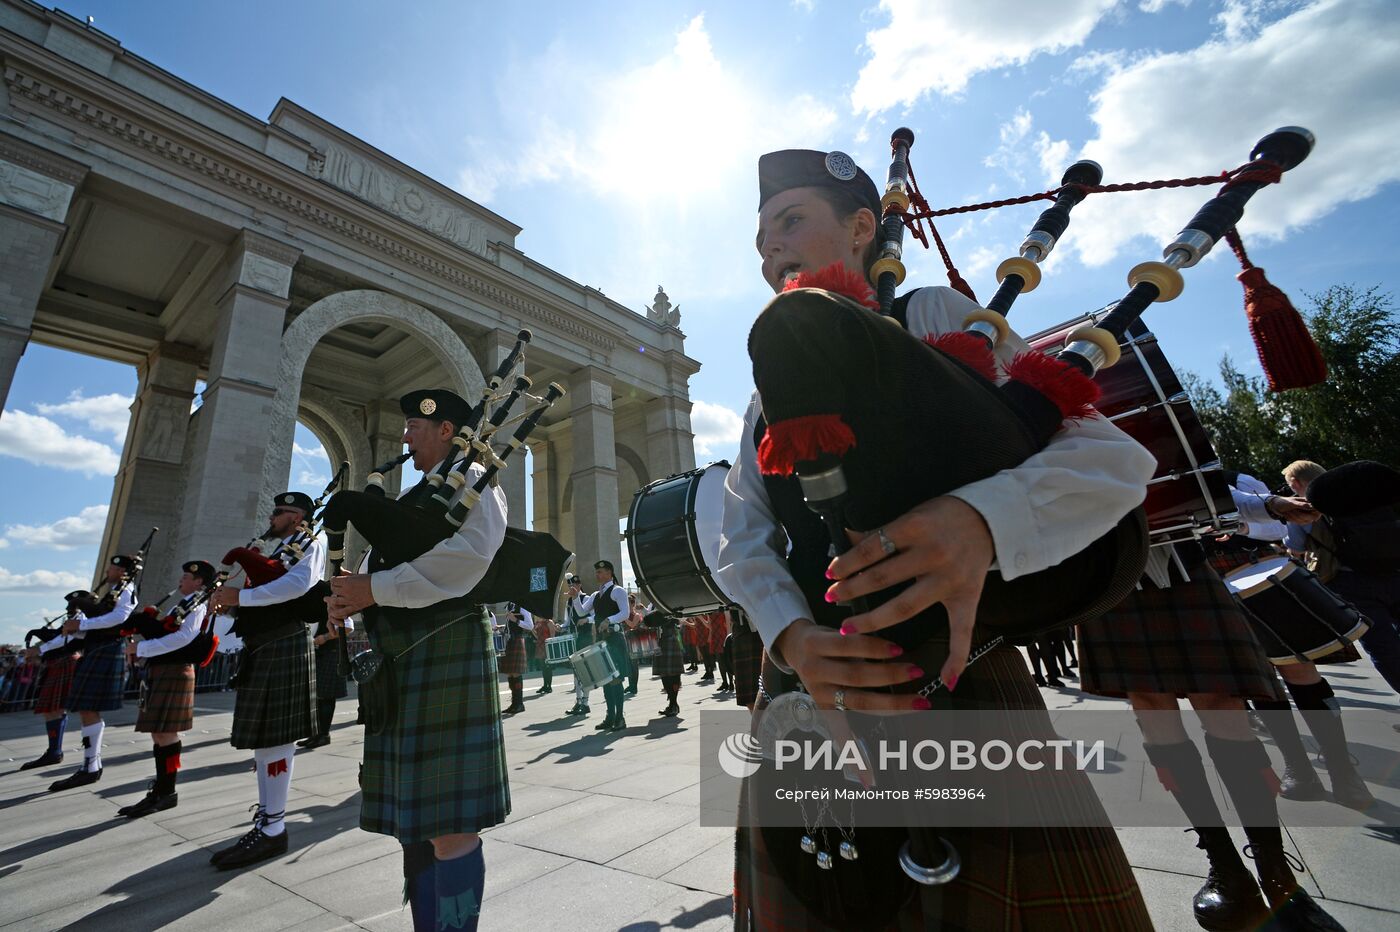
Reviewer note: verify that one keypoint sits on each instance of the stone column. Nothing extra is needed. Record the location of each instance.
(544, 491)
(670, 444)
(385, 443)
(595, 468)
(222, 505)
(147, 490)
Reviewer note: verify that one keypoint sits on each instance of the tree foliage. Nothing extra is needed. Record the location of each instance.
(1353, 415)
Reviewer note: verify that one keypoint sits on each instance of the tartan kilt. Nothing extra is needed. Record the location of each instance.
(748, 661)
(719, 630)
(441, 768)
(1011, 878)
(513, 661)
(169, 700)
(98, 679)
(1190, 638)
(670, 660)
(329, 683)
(276, 693)
(55, 685)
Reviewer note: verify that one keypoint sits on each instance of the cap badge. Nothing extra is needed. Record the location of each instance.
(427, 406)
(840, 166)
(288, 499)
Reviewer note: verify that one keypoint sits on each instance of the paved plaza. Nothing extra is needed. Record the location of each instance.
(604, 834)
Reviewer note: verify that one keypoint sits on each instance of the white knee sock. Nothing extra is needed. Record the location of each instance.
(92, 746)
(275, 776)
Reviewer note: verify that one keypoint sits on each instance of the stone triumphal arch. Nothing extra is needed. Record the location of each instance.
(301, 275)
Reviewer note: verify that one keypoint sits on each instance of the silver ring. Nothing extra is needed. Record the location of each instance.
(886, 544)
(839, 698)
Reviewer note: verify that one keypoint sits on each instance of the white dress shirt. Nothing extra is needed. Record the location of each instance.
(454, 566)
(54, 643)
(1250, 496)
(121, 611)
(1043, 511)
(296, 582)
(527, 621)
(187, 632)
(589, 604)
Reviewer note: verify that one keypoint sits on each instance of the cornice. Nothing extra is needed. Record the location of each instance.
(52, 165)
(134, 134)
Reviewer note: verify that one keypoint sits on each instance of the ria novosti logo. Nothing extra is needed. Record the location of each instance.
(740, 755)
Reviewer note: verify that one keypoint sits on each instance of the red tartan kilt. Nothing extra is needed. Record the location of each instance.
(53, 689)
(1012, 878)
(1189, 638)
(513, 662)
(169, 704)
(719, 630)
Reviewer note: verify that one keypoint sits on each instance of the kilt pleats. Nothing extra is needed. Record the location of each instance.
(748, 662)
(329, 683)
(670, 660)
(168, 704)
(55, 686)
(276, 697)
(441, 768)
(98, 679)
(513, 661)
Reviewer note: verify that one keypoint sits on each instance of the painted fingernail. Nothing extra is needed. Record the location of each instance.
(829, 573)
(848, 628)
(829, 596)
(951, 682)
(916, 673)
(896, 650)
(921, 704)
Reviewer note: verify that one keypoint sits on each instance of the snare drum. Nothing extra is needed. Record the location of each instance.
(498, 636)
(593, 666)
(1296, 618)
(672, 535)
(1188, 497)
(558, 649)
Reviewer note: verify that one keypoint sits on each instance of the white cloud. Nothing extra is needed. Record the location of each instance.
(714, 426)
(40, 581)
(1338, 60)
(1157, 6)
(300, 450)
(40, 441)
(939, 45)
(310, 477)
(108, 413)
(81, 530)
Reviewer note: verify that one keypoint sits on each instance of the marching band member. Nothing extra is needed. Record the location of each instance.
(514, 663)
(581, 624)
(100, 674)
(276, 691)
(631, 630)
(59, 655)
(545, 628)
(330, 685)
(815, 211)
(746, 660)
(669, 660)
(609, 609)
(168, 706)
(437, 776)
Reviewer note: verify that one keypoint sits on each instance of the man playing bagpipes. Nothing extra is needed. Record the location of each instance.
(276, 687)
(167, 706)
(819, 211)
(101, 672)
(59, 653)
(434, 772)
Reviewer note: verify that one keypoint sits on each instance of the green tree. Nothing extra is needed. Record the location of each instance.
(1353, 415)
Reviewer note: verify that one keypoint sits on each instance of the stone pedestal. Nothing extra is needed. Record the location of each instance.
(594, 478)
(670, 444)
(149, 483)
(225, 476)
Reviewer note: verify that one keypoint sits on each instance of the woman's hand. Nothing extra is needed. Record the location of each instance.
(945, 548)
(827, 660)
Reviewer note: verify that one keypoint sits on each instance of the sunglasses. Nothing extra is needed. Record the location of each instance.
(284, 511)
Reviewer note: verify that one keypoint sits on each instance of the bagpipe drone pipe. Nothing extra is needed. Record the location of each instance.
(916, 419)
(92, 603)
(529, 566)
(149, 624)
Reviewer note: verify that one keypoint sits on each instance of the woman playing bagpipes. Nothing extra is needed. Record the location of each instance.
(818, 211)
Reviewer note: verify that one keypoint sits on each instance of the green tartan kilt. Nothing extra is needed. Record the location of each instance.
(276, 702)
(441, 768)
(329, 683)
(98, 679)
(671, 660)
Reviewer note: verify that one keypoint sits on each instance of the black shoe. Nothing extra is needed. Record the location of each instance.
(572, 710)
(671, 711)
(619, 725)
(1039, 680)
(514, 708)
(542, 690)
(251, 848)
(1229, 899)
(691, 669)
(1055, 683)
(705, 679)
(630, 691)
(1349, 789)
(150, 803)
(47, 759)
(605, 725)
(81, 778)
(1293, 909)
(1300, 783)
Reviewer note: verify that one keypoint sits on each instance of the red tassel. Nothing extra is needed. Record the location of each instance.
(840, 279)
(1070, 390)
(213, 649)
(1167, 779)
(276, 767)
(172, 763)
(968, 349)
(1271, 778)
(802, 439)
(1287, 351)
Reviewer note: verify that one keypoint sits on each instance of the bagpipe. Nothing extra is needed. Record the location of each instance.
(865, 421)
(529, 566)
(91, 603)
(149, 625)
(251, 622)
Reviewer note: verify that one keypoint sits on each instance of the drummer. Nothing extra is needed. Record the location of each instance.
(580, 625)
(609, 609)
(1309, 689)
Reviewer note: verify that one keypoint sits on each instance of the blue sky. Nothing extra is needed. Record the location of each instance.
(622, 137)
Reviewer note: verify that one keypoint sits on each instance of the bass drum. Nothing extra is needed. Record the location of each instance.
(1188, 497)
(672, 535)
